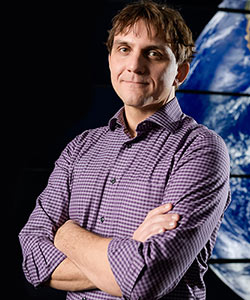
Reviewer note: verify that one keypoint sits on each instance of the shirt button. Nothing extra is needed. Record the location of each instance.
(102, 219)
(84, 298)
(113, 180)
(129, 146)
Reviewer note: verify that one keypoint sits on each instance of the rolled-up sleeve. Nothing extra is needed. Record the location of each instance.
(40, 256)
(199, 190)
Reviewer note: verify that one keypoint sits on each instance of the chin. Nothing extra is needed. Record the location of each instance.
(138, 101)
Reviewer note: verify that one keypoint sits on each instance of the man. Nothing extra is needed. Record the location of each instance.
(132, 209)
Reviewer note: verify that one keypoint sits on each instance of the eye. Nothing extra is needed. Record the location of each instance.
(123, 50)
(154, 54)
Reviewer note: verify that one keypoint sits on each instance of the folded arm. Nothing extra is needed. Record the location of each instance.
(68, 277)
(87, 253)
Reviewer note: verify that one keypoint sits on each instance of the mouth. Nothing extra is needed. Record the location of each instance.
(143, 83)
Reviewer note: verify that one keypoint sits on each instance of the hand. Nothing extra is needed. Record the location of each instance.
(157, 221)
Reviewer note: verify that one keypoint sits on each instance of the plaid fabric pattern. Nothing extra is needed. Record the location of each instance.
(108, 182)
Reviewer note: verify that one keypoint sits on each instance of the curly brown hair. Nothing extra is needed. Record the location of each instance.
(167, 22)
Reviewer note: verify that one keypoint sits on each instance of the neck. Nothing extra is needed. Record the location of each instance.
(135, 115)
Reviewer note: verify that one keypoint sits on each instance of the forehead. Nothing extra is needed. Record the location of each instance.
(142, 30)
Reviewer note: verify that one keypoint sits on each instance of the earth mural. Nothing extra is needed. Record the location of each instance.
(217, 94)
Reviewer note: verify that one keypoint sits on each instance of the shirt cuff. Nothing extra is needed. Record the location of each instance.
(127, 262)
(40, 263)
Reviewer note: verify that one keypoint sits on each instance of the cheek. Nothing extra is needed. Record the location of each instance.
(115, 73)
(167, 78)
(115, 67)
(162, 81)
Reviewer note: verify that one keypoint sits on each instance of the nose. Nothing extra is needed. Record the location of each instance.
(136, 63)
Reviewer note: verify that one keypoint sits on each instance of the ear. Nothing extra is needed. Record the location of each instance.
(182, 73)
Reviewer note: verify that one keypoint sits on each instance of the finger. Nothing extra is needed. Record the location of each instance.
(163, 226)
(170, 225)
(162, 219)
(160, 210)
(174, 217)
(158, 228)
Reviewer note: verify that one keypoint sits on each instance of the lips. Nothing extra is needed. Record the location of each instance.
(135, 82)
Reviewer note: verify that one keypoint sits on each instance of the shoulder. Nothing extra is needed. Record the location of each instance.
(195, 135)
(81, 143)
(202, 144)
(89, 136)
(205, 138)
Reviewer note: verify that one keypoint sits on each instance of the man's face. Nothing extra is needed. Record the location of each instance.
(143, 68)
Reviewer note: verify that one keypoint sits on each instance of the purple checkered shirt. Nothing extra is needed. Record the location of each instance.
(108, 182)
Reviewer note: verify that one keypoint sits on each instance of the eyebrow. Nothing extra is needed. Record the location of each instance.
(120, 42)
(153, 46)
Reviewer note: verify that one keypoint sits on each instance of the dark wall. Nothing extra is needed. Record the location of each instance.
(58, 58)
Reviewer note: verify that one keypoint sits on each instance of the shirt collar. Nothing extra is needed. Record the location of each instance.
(117, 120)
(168, 116)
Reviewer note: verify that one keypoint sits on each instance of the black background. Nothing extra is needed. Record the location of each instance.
(56, 58)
